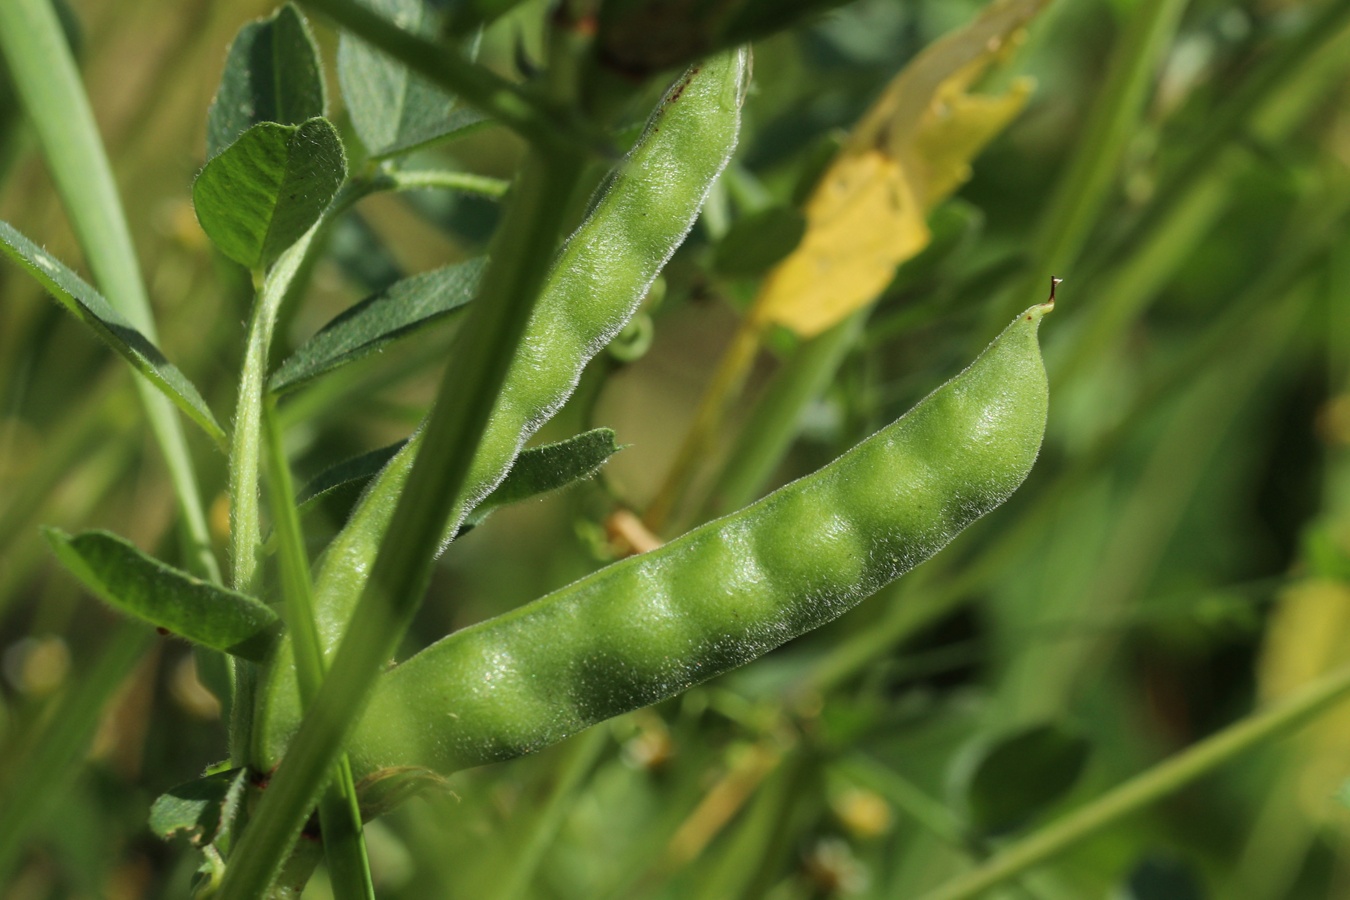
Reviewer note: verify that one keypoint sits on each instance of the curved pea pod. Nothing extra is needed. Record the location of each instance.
(654, 625)
(638, 219)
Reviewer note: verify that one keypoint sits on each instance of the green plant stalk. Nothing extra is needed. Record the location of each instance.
(58, 749)
(246, 439)
(471, 384)
(281, 284)
(440, 179)
(769, 432)
(1145, 789)
(531, 117)
(245, 466)
(339, 811)
(1080, 195)
(48, 83)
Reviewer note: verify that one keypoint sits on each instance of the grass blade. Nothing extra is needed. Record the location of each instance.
(35, 48)
(399, 310)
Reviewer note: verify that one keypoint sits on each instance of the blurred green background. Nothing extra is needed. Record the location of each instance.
(1180, 553)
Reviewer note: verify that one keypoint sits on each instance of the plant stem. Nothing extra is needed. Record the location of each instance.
(281, 284)
(339, 812)
(1148, 788)
(402, 569)
(440, 179)
(246, 438)
(539, 122)
(48, 83)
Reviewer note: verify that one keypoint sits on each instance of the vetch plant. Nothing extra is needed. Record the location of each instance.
(328, 727)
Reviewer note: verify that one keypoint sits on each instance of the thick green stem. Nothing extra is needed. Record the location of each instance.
(339, 811)
(274, 291)
(1135, 795)
(48, 83)
(246, 438)
(471, 385)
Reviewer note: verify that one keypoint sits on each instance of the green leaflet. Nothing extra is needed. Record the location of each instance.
(350, 473)
(264, 191)
(398, 310)
(89, 306)
(272, 74)
(147, 589)
(392, 109)
(202, 809)
(538, 470)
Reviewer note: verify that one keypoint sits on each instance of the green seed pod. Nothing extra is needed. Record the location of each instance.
(637, 221)
(654, 625)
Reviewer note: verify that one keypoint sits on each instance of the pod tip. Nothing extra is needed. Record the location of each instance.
(1049, 304)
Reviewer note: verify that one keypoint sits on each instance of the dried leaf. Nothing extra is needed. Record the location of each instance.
(911, 150)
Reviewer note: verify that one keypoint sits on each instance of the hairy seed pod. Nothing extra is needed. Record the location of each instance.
(654, 625)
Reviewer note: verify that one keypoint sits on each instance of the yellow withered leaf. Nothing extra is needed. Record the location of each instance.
(1308, 637)
(956, 128)
(861, 219)
(907, 154)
